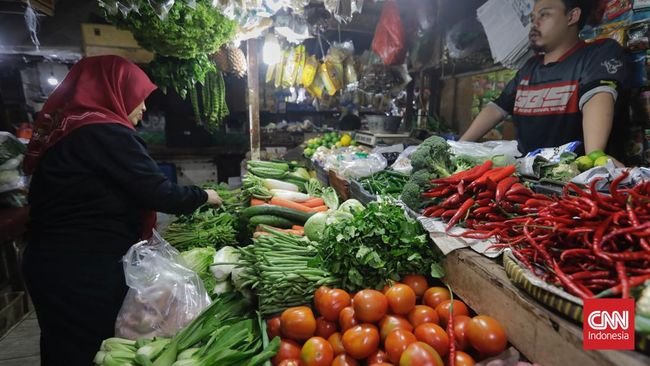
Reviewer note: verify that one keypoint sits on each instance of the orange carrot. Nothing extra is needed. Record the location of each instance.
(314, 202)
(319, 209)
(297, 227)
(256, 202)
(289, 204)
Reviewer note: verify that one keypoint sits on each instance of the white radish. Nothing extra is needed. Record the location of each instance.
(278, 184)
(290, 195)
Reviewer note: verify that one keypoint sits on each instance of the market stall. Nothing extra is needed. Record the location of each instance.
(355, 228)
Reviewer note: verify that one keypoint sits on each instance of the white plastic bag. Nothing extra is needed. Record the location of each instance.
(163, 296)
(403, 162)
(356, 165)
(486, 150)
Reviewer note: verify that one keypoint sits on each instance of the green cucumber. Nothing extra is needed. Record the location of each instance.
(267, 172)
(271, 220)
(283, 212)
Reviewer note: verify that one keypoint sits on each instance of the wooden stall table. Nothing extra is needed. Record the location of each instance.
(538, 333)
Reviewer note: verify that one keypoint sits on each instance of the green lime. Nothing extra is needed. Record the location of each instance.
(596, 154)
(584, 163)
(601, 161)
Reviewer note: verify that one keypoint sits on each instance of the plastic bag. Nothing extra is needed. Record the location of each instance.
(356, 165)
(403, 162)
(389, 41)
(486, 150)
(164, 296)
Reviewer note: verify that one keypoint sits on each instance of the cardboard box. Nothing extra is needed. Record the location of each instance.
(103, 39)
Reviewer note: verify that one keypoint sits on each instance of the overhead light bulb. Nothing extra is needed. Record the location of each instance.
(52, 80)
(271, 51)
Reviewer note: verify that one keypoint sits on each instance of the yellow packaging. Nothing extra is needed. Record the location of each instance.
(332, 74)
(290, 66)
(279, 69)
(317, 86)
(270, 72)
(301, 57)
(309, 71)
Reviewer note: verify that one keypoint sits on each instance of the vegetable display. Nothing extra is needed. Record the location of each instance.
(591, 244)
(225, 333)
(377, 245)
(385, 182)
(365, 327)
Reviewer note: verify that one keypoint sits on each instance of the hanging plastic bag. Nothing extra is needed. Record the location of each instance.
(389, 41)
(164, 296)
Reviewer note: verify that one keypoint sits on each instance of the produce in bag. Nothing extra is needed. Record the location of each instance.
(389, 40)
(332, 74)
(290, 68)
(163, 297)
(318, 85)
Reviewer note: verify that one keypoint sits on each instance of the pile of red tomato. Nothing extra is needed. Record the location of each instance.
(385, 328)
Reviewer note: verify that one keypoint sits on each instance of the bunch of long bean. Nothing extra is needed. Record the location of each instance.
(282, 270)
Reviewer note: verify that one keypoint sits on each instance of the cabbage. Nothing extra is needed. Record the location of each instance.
(230, 257)
(198, 259)
(315, 226)
(351, 206)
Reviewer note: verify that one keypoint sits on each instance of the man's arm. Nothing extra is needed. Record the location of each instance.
(597, 121)
(489, 117)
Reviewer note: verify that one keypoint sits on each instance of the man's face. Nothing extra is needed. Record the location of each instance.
(550, 23)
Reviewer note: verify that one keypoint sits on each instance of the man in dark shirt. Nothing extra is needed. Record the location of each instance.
(567, 92)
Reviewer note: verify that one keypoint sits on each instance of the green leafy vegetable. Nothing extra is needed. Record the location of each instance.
(378, 244)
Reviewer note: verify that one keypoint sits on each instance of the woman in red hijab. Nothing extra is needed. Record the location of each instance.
(94, 192)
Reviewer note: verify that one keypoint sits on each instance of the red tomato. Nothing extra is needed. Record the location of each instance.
(390, 322)
(460, 331)
(316, 352)
(336, 340)
(344, 360)
(325, 328)
(434, 336)
(435, 295)
(423, 314)
(273, 327)
(361, 341)
(290, 362)
(319, 294)
(377, 357)
(486, 335)
(401, 299)
(347, 319)
(330, 302)
(463, 359)
(418, 283)
(370, 306)
(298, 323)
(396, 343)
(443, 310)
(420, 354)
(288, 350)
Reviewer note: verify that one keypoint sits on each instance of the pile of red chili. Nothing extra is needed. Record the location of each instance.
(592, 244)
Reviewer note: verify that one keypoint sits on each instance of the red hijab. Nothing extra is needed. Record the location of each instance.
(101, 89)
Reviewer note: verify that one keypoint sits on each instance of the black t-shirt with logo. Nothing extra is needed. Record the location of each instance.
(546, 101)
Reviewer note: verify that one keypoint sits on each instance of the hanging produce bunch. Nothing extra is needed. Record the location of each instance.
(182, 34)
(231, 60)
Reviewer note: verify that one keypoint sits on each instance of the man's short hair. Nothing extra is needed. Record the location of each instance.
(587, 8)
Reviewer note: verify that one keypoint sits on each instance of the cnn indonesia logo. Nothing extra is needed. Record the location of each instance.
(608, 324)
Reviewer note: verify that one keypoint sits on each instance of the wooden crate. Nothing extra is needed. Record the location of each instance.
(103, 39)
(340, 184)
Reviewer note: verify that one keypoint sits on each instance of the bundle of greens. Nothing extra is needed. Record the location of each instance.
(562, 171)
(385, 182)
(199, 261)
(225, 333)
(379, 244)
(232, 200)
(209, 227)
(282, 270)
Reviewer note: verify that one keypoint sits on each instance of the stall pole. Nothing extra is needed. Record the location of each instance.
(252, 50)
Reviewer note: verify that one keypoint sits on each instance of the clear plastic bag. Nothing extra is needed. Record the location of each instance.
(403, 162)
(163, 295)
(486, 150)
(357, 165)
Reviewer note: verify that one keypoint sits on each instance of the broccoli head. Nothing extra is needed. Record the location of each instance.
(411, 196)
(462, 163)
(422, 178)
(432, 155)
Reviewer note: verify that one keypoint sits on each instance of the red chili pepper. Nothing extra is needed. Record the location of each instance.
(482, 180)
(485, 202)
(429, 210)
(482, 210)
(622, 276)
(571, 286)
(485, 194)
(613, 187)
(584, 275)
(517, 198)
(462, 211)
(438, 212)
(635, 221)
(503, 186)
(467, 175)
(616, 290)
(451, 201)
(449, 213)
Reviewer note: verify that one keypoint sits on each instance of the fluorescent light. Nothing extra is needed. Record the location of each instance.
(53, 81)
(271, 51)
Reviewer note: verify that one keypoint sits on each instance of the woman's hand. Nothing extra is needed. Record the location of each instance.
(213, 197)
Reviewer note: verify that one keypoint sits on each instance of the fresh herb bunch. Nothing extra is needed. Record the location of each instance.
(377, 245)
(185, 33)
(180, 74)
